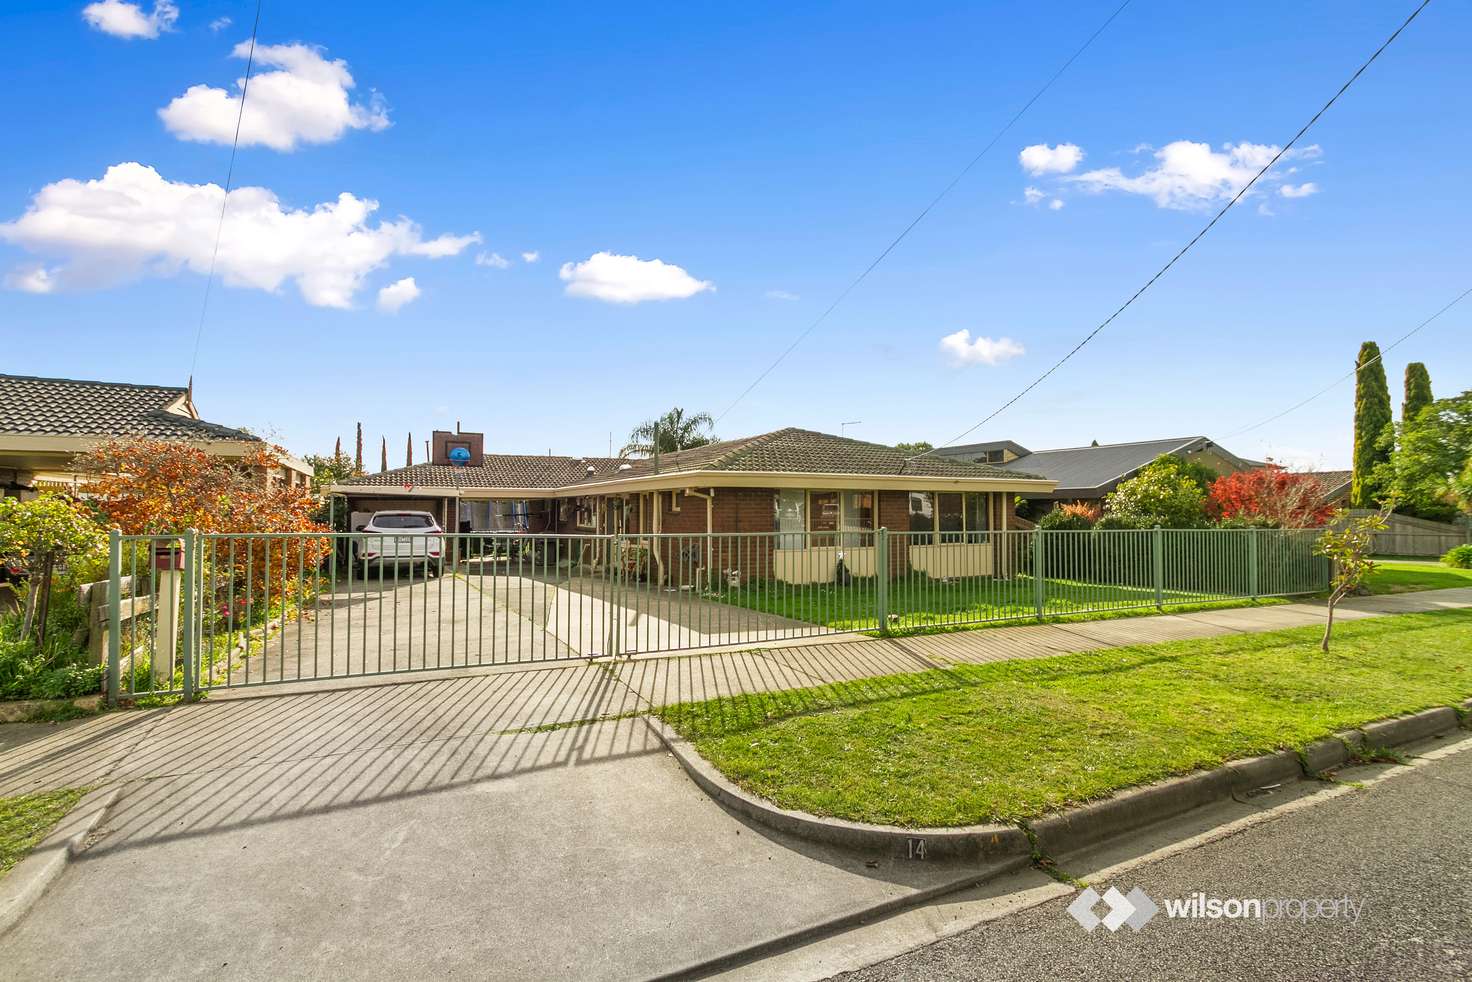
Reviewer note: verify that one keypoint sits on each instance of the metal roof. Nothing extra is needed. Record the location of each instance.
(1078, 469)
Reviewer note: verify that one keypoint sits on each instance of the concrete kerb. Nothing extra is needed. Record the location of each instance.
(972, 843)
(30, 877)
(1077, 828)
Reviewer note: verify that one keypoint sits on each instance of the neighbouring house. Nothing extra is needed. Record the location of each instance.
(1335, 485)
(46, 422)
(1089, 473)
(808, 504)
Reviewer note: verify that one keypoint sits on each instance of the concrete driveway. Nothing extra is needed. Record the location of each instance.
(454, 828)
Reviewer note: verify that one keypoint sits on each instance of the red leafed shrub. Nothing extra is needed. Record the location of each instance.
(1272, 496)
(161, 487)
(1089, 511)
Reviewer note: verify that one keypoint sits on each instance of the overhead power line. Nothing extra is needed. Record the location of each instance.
(1353, 371)
(229, 179)
(1187, 247)
(925, 211)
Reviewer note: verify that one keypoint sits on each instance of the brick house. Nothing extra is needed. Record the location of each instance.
(46, 422)
(798, 501)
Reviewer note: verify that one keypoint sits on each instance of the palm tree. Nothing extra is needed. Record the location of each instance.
(675, 430)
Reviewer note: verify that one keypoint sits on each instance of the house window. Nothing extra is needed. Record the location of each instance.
(958, 517)
(823, 517)
(791, 518)
(587, 513)
(922, 512)
(857, 516)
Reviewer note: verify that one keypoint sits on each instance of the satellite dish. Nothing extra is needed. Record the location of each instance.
(459, 456)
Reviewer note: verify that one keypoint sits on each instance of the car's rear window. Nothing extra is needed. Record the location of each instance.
(402, 522)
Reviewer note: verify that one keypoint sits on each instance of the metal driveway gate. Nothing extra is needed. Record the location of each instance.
(197, 611)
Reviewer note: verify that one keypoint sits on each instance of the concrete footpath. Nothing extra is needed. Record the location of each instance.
(468, 826)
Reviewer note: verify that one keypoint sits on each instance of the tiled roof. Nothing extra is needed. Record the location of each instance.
(498, 471)
(789, 450)
(806, 451)
(71, 407)
(1333, 482)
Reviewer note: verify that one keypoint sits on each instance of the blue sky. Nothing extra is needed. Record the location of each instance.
(763, 153)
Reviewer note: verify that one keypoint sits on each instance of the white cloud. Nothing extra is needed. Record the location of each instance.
(531, 257)
(132, 223)
(782, 295)
(31, 279)
(1033, 195)
(629, 279)
(304, 101)
(1299, 190)
(127, 20)
(1043, 159)
(492, 259)
(1189, 175)
(1055, 204)
(220, 23)
(965, 350)
(393, 297)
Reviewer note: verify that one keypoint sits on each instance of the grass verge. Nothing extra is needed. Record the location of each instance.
(27, 819)
(1407, 577)
(1013, 740)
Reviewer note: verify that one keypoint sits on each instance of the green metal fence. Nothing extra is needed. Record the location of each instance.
(233, 611)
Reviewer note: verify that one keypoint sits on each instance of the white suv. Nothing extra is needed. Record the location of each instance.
(402, 537)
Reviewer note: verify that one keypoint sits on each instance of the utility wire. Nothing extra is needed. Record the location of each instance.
(926, 211)
(1354, 371)
(1187, 247)
(229, 179)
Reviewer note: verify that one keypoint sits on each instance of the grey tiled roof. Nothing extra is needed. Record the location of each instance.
(499, 471)
(71, 407)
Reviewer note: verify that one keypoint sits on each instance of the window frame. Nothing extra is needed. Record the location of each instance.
(966, 535)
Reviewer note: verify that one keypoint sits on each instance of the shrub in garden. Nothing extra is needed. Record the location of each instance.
(1459, 557)
(1269, 497)
(161, 487)
(1075, 516)
(1167, 492)
(44, 535)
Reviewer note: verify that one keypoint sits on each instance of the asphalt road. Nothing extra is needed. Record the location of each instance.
(1402, 848)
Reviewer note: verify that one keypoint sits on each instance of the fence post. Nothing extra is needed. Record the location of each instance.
(1039, 583)
(1252, 554)
(114, 613)
(191, 613)
(1157, 549)
(881, 571)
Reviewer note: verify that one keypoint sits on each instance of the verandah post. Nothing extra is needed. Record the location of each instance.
(1157, 548)
(881, 571)
(1039, 581)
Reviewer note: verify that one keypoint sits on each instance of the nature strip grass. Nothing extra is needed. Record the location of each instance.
(27, 819)
(1399, 577)
(1014, 740)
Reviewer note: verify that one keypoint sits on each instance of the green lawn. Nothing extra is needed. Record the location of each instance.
(1011, 741)
(27, 819)
(920, 602)
(1404, 577)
